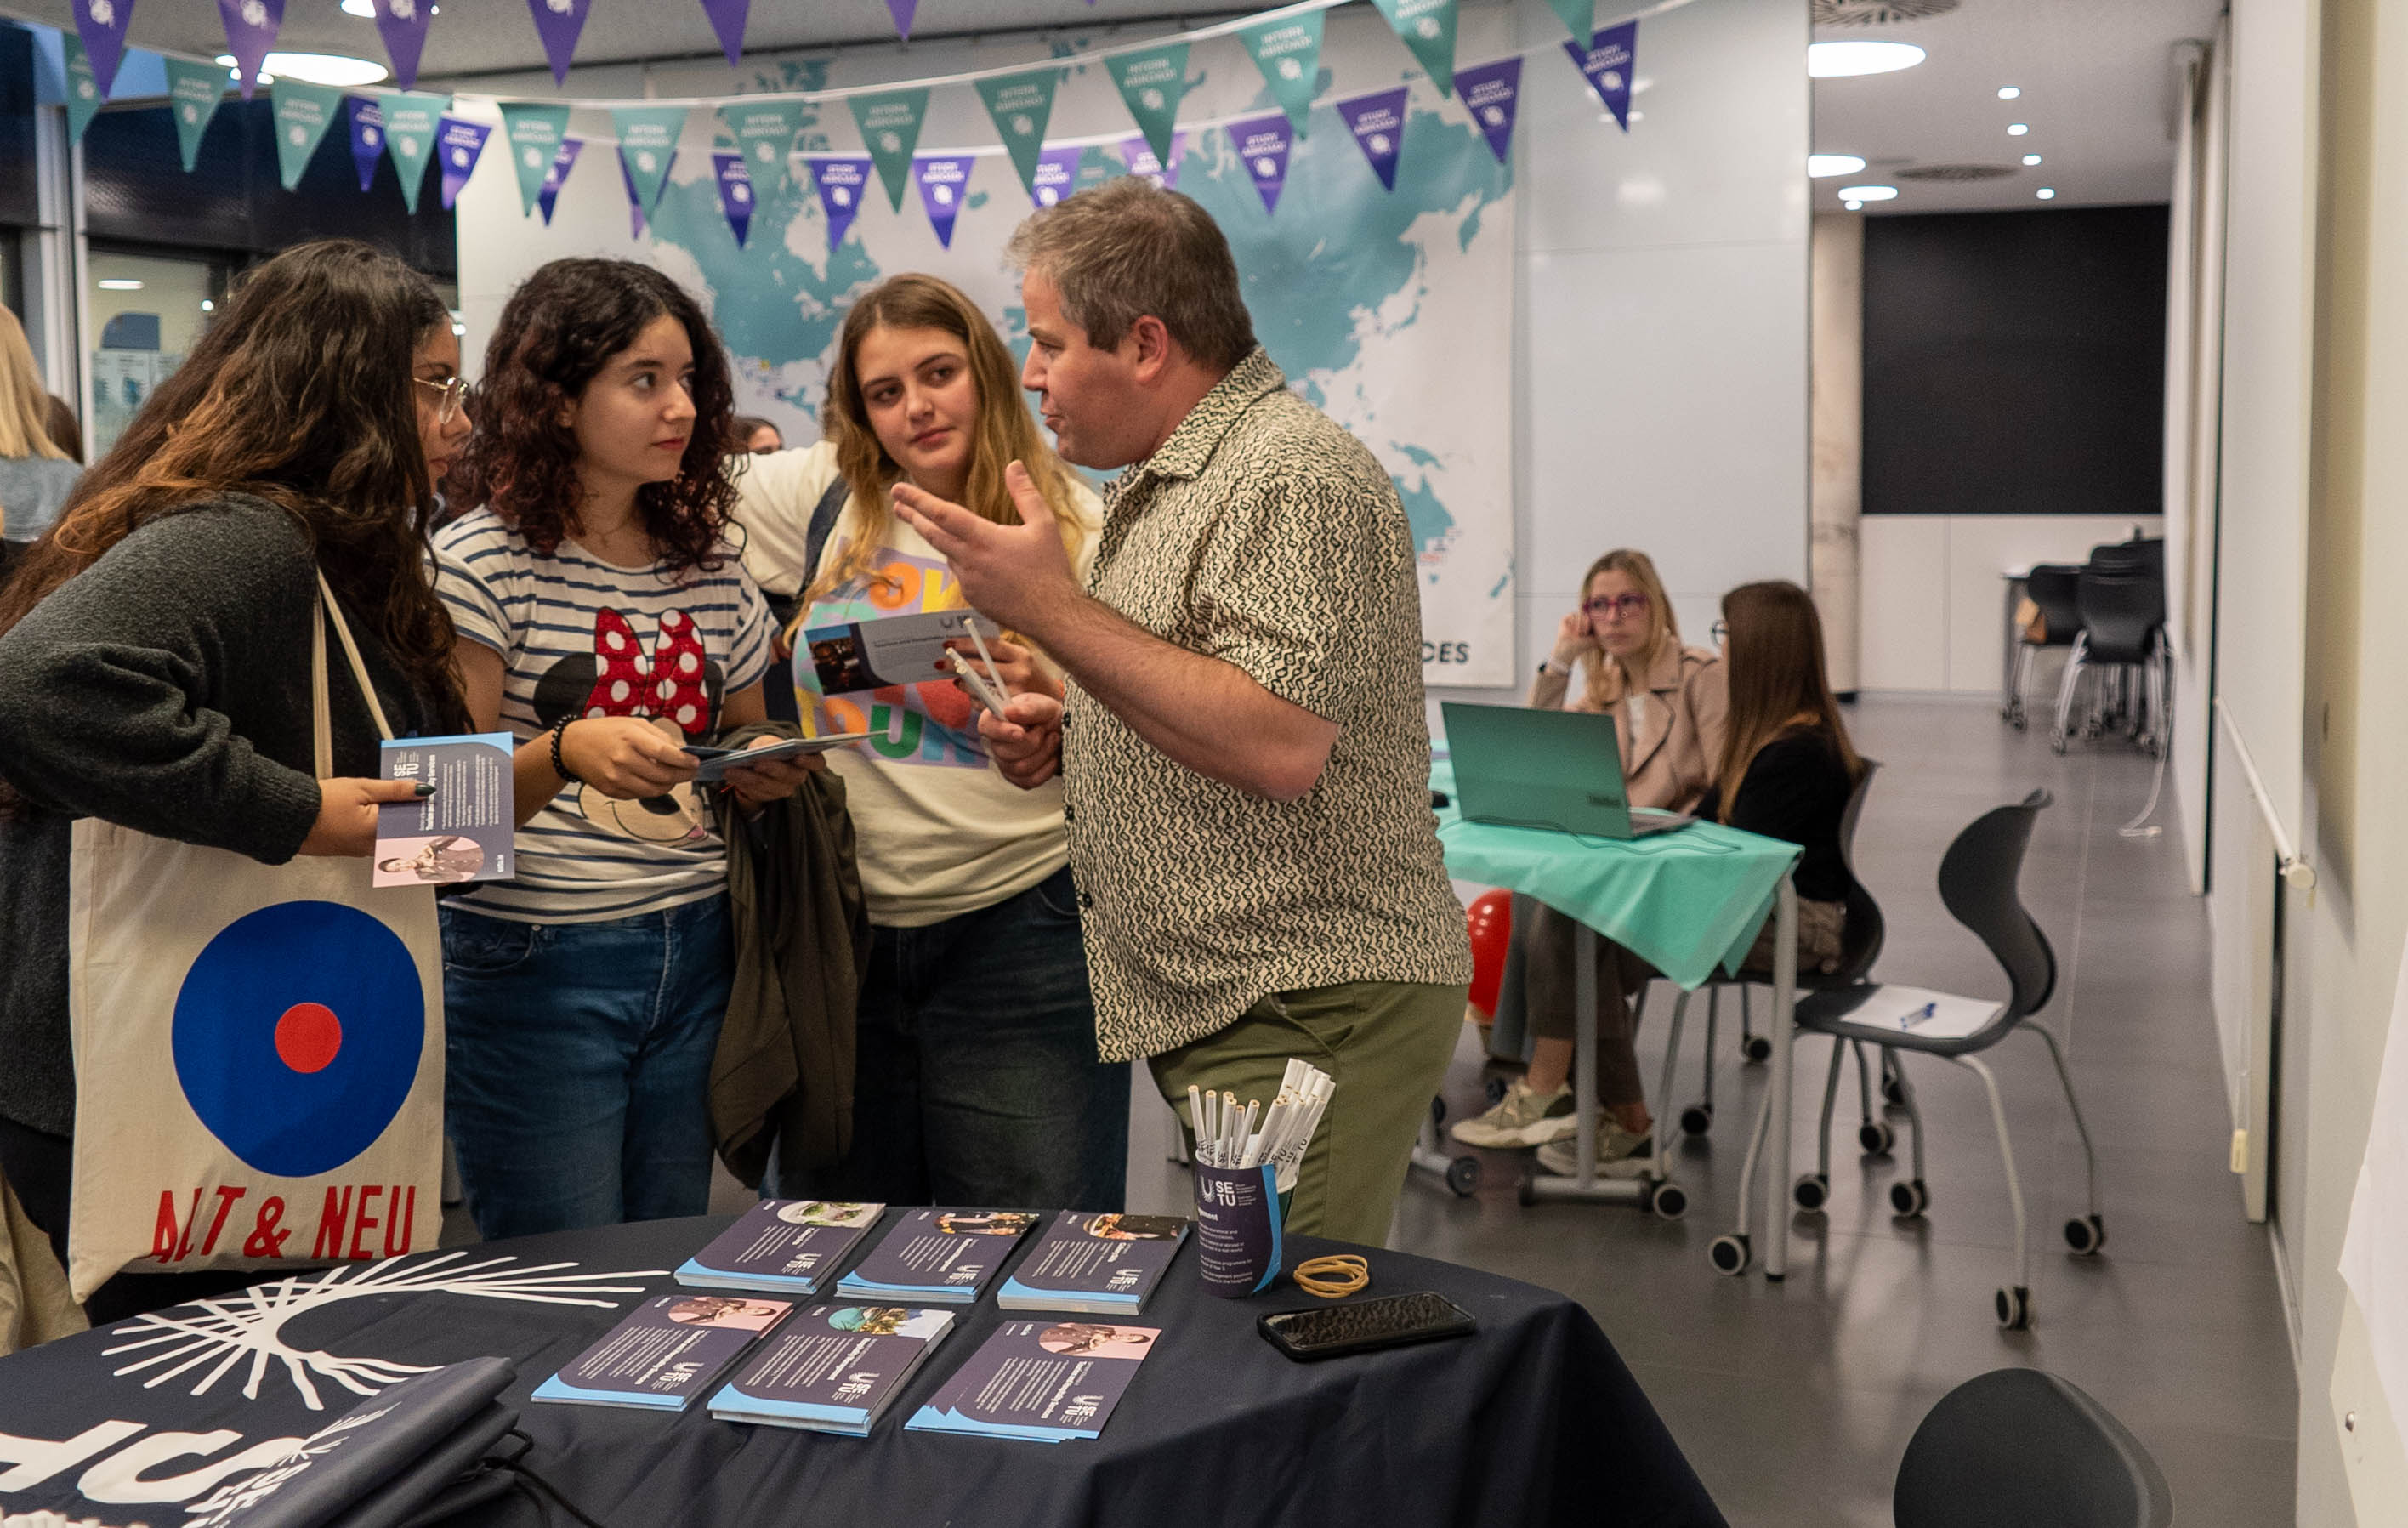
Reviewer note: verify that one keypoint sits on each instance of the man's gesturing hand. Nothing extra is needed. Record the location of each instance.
(1017, 576)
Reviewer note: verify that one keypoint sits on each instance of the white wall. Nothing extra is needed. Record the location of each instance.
(1661, 383)
(1934, 614)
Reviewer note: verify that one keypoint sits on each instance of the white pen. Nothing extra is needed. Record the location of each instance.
(1196, 1117)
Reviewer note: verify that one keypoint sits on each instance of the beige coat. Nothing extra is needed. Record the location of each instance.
(1671, 761)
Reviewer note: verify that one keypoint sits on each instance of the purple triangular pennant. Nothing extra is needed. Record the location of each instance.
(402, 23)
(1493, 92)
(1057, 174)
(557, 175)
(1607, 62)
(251, 28)
(101, 24)
(368, 135)
(943, 178)
(634, 199)
(735, 192)
(1263, 143)
(901, 10)
(841, 181)
(558, 24)
(727, 20)
(1139, 155)
(457, 144)
(1378, 122)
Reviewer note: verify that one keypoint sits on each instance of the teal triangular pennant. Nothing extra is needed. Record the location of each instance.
(302, 114)
(532, 131)
(411, 120)
(1428, 27)
(1288, 52)
(1151, 82)
(83, 88)
(648, 144)
(890, 129)
(1022, 104)
(765, 131)
(194, 92)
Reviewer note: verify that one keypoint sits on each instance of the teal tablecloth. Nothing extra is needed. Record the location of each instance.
(1688, 903)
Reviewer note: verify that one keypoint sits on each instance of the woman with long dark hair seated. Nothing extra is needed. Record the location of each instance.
(1787, 771)
(156, 644)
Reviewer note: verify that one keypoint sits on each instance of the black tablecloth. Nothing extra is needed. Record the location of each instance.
(1532, 1421)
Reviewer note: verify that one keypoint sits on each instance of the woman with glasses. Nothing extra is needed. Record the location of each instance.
(1623, 647)
(155, 645)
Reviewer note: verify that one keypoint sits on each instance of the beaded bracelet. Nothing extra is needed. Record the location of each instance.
(559, 766)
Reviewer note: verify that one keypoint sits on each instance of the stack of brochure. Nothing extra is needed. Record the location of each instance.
(834, 1369)
(948, 1256)
(669, 1351)
(788, 1245)
(1043, 1381)
(1105, 1263)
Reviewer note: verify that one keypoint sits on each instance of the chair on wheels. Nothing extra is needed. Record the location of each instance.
(2024, 1449)
(2050, 587)
(2121, 598)
(1861, 945)
(1978, 880)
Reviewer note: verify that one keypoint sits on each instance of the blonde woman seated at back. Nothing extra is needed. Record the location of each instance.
(977, 1079)
(1623, 647)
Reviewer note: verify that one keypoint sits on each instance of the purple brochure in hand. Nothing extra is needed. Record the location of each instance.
(788, 1245)
(1044, 1382)
(949, 1256)
(1107, 1264)
(833, 1368)
(666, 1353)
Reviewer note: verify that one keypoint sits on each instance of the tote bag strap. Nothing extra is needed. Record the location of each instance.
(324, 728)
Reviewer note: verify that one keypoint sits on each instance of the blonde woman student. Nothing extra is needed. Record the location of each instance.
(977, 1079)
(1620, 652)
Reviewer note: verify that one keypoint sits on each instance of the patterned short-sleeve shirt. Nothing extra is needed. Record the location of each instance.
(1264, 535)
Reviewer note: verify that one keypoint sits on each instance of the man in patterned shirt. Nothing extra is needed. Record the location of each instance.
(1242, 747)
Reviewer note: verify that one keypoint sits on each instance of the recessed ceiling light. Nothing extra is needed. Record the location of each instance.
(2031, 159)
(1819, 166)
(317, 68)
(2016, 130)
(1855, 207)
(119, 283)
(1833, 60)
(1866, 193)
(2046, 194)
(2006, 93)
(360, 8)
(207, 306)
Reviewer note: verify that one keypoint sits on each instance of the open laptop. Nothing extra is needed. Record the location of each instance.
(1515, 768)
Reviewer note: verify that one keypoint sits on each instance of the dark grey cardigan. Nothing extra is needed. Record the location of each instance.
(165, 688)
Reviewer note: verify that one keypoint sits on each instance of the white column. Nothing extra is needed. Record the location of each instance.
(1837, 413)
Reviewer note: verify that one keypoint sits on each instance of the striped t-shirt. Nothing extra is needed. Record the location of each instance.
(579, 637)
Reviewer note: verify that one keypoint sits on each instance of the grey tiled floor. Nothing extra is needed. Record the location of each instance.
(1795, 1401)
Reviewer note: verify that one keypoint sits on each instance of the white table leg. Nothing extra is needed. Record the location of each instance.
(1585, 1183)
(1785, 1028)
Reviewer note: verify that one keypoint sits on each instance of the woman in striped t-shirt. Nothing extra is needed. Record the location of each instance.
(604, 619)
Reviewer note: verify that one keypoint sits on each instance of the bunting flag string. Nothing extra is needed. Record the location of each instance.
(735, 192)
(402, 24)
(556, 175)
(942, 177)
(1606, 60)
(251, 28)
(412, 120)
(459, 144)
(101, 24)
(366, 121)
(1288, 52)
(302, 113)
(1021, 106)
(558, 24)
(1378, 122)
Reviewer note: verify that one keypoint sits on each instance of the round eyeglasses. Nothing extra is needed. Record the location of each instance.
(1720, 632)
(455, 396)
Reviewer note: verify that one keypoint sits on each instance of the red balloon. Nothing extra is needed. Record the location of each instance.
(1491, 926)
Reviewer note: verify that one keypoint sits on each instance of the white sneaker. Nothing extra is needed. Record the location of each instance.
(1619, 1153)
(1521, 1118)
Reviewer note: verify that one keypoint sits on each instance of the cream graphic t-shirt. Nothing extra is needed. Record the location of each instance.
(939, 832)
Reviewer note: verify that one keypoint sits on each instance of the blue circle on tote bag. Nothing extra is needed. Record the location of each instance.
(297, 1035)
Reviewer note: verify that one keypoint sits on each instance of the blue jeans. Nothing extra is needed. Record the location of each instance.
(975, 1077)
(578, 1065)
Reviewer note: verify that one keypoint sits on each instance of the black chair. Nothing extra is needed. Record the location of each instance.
(1860, 946)
(2050, 587)
(1978, 880)
(2121, 596)
(2024, 1449)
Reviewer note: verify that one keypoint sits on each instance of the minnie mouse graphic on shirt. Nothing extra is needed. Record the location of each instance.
(675, 684)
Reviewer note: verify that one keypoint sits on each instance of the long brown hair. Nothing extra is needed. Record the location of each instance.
(300, 393)
(1603, 675)
(1776, 677)
(557, 331)
(1006, 433)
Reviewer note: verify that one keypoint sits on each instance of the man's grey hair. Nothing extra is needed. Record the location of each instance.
(1126, 249)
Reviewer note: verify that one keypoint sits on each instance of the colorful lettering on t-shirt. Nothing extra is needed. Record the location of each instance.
(920, 724)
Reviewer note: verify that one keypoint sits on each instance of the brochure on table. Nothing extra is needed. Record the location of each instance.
(1042, 1381)
(833, 1368)
(667, 1352)
(789, 1245)
(945, 1255)
(1105, 1263)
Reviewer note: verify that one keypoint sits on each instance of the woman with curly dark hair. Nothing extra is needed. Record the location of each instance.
(156, 644)
(606, 621)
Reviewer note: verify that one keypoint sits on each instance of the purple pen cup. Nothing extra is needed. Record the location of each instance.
(1238, 1216)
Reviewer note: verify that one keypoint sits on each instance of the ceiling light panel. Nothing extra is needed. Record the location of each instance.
(1839, 60)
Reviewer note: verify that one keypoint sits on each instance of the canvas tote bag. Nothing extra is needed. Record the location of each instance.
(258, 1049)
